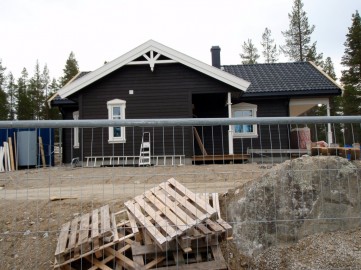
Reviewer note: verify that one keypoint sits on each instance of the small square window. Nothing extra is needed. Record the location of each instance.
(244, 130)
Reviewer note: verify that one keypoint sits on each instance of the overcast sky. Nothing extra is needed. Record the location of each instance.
(98, 31)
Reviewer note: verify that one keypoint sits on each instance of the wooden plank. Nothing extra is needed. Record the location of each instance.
(215, 203)
(205, 206)
(123, 259)
(134, 208)
(214, 226)
(95, 229)
(42, 154)
(155, 262)
(12, 163)
(133, 223)
(166, 226)
(166, 211)
(111, 257)
(62, 240)
(114, 228)
(138, 259)
(227, 227)
(199, 215)
(16, 151)
(187, 219)
(97, 263)
(104, 220)
(199, 141)
(238, 157)
(73, 233)
(84, 232)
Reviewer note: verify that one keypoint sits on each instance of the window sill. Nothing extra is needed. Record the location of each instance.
(245, 136)
(117, 141)
(76, 146)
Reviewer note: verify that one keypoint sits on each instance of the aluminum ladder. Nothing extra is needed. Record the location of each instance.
(144, 156)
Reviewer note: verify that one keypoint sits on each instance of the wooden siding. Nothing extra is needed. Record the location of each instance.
(164, 93)
(269, 136)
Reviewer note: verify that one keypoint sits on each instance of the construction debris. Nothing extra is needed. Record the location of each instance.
(167, 227)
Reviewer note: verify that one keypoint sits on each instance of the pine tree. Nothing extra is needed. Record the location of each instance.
(250, 53)
(36, 89)
(315, 57)
(352, 57)
(24, 105)
(12, 96)
(4, 108)
(269, 52)
(298, 36)
(351, 76)
(70, 70)
(52, 113)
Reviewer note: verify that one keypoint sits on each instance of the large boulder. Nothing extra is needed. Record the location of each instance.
(295, 199)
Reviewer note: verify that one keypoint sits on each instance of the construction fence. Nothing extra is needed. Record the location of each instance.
(251, 193)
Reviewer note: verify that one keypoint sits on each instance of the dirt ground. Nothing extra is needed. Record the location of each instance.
(30, 221)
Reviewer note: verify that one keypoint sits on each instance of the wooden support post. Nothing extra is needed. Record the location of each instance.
(12, 164)
(42, 152)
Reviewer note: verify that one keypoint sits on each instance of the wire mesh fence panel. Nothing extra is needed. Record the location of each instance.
(181, 194)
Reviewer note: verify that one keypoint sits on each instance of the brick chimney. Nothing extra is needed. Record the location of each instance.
(216, 56)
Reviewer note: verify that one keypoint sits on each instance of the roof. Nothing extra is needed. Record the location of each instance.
(284, 79)
(158, 48)
(62, 101)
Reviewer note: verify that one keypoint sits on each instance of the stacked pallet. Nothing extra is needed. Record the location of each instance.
(167, 227)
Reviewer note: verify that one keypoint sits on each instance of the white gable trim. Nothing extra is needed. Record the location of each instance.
(152, 45)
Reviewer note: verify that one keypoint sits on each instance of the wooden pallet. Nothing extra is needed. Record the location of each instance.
(168, 210)
(92, 233)
(205, 256)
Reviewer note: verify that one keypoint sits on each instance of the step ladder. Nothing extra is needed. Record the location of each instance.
(144, 156)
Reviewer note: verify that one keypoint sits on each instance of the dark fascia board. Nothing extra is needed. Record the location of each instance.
(300, 93)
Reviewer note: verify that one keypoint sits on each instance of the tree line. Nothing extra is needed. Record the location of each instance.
(25, 98)
(298, 46)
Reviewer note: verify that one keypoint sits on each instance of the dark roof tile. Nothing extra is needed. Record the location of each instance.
(298, 78)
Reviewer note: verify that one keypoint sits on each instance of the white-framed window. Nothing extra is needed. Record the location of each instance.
(244, 110)
(116, 111)
(76, 130)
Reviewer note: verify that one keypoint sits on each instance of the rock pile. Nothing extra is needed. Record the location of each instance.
(295, 199)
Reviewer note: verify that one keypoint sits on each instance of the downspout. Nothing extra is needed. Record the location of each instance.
(230, 131)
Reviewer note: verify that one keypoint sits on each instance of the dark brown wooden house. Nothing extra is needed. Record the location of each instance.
(155, 81)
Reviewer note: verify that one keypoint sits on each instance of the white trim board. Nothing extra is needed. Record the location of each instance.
(148, 46)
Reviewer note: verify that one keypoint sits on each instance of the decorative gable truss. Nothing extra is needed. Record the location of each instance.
(152, 58)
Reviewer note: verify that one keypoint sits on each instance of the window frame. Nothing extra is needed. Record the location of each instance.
(76, 131)
(122, 105)
(243, 106)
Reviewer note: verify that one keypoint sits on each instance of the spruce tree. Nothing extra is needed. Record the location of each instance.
(24, 105)
(52, 113)
(315, 57)
(4, 108)
(269, 52)
(351, 76)
(70, 70)
(11, 96)
(298, 36)
(36, 93)
(250, 53)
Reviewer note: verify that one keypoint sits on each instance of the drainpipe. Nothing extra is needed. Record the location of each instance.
(230, 131)
(329, 131)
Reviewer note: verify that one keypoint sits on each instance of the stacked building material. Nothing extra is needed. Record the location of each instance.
(166, 227)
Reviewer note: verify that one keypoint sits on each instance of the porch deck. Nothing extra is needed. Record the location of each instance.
(225, 157)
